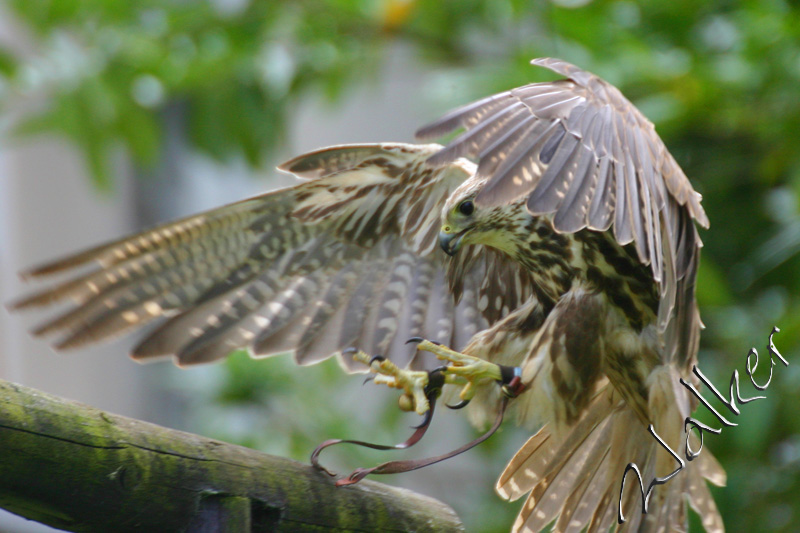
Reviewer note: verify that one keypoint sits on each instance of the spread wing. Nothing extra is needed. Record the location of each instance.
(346, 258)
(576, 148)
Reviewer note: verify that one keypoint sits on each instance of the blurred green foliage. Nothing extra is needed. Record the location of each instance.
(109, 67)
(719, 78)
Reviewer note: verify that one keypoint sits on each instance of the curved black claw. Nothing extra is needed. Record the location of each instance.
(369, 378)
(350, 350)
(432, 391)
(435, 382)
(428, 416)
(378, 358)
(460, 405)
(420, 339)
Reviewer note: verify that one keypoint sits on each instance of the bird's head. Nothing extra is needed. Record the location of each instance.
(460, 223)
(465, 221)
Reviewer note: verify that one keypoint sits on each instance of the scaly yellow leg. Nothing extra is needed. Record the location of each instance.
(470, 369)
(413, 382)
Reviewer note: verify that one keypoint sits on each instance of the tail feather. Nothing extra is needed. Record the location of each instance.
(586, 504)
(520, 475)
(709, 468)
(603, 516)
(574, 473)
(702, 502)
(548, 499)
(585, 495)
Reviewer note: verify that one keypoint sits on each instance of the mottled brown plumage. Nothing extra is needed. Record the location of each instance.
(577, 262)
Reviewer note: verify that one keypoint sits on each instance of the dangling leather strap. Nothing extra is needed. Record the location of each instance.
(512, 387)
(398, 467)
(432, 392)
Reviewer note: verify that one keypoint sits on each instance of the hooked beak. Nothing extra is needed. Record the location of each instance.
(451, 242)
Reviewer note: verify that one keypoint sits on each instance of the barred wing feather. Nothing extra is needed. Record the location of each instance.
(346, 258)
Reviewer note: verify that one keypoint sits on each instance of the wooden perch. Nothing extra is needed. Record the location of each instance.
(77, 468)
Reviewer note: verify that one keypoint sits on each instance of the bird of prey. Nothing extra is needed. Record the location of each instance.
(556, 235)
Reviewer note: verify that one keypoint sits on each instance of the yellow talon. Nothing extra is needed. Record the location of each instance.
(462, 369)
(389, 374)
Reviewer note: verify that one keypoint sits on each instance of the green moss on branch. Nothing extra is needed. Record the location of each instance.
(74, 467)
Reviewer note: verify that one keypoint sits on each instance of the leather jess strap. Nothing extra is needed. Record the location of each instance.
(512, 387)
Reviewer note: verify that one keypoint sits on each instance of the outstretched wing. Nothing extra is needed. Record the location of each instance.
(346, 258)
(576, 148)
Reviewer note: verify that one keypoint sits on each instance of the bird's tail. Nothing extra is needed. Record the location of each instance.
(574, 474)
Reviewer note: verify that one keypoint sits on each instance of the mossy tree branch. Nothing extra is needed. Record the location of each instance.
(75, 467)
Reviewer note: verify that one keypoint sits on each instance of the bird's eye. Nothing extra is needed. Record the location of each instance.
(466, 208)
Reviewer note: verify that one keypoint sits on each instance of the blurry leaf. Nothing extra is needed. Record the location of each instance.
(99, 168)
(142, 133)
(712, 288)
(755, 419)
(45, 122)
(262, 120)
(247, 380)
(8, 63)
(773, 252)
(208, 114)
